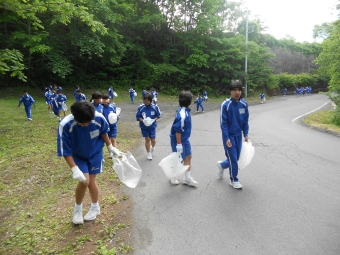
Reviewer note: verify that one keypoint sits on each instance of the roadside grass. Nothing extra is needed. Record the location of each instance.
(37, 190)
(322, 119)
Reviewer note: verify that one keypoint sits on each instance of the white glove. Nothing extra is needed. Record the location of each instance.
(59, 103)
(78, 175)
(114, 150)
(179, 148)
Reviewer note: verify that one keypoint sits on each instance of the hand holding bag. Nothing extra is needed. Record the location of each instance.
(246, 155)
(172, 165)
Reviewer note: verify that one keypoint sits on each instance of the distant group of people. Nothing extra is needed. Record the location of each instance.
(301, 91)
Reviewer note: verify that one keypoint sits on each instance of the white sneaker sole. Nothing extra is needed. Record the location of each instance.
(235, 187)
(89, 219)
(78, 223)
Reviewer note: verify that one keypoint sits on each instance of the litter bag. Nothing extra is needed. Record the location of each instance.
(112, 118)
(127, 169)
(135, 94)
(64, 106)
(172, 165)
(246, 155)
(115, 94)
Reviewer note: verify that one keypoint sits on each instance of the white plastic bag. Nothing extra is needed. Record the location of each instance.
(135, 94)
(115, 94)
(127, 169)
(112, 118)
(64, 106)
(118, 110)
(172, 165)
(148, 121)
(246, 155)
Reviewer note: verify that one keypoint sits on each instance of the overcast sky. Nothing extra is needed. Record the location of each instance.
(294, 17)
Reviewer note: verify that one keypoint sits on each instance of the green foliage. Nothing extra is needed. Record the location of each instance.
(305, 79)
(11, 62)
(286, 80)
(272, 81)
(329, 58)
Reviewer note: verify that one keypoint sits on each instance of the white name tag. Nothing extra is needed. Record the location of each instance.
(152, 113)
(94, 134)
(242, 111)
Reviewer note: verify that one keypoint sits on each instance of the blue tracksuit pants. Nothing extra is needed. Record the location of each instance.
(132, 98)
(232, 154)
(28, 111)
(200, 105)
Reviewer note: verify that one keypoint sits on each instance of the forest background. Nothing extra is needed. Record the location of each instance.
(168, 45)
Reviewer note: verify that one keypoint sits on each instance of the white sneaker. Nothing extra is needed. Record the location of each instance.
(77, 217)
(29, 119)
(92, 214)
(174, 181)
(236, 185)
(152, 150)
(190, 182)
(149, 156)
(220, 170)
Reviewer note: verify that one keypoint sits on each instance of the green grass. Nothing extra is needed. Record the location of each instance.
(37, 189)
(322, 119)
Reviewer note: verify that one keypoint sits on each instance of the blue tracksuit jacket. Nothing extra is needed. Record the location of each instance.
(113, 127)
(80, 97)
(83, 142)
(182, 124)
(234, 121)
(98, 107)
(60, 100)
(151, 111)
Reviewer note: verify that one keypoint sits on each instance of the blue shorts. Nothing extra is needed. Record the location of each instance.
(149, 133)
(49, 102)
(93, 165)
(186, 148)
(113, 132)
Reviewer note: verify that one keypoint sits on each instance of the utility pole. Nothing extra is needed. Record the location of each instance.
(246, 61)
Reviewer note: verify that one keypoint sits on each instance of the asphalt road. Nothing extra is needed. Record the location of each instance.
(290, 203)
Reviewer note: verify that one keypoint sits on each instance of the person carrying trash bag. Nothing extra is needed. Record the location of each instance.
(28, 101)
(81, 138)
(234, 121)
(179, 136)
(147, 114)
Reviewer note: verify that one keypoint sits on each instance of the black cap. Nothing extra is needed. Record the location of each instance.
(235, 84)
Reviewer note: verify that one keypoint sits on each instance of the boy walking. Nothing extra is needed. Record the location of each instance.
(28, 101)
(81, 138)
(147, 114)
(61, 100)
(108, 111)
(179, 136)
(199, 102)
(132, 94)
(262, 98)
(234, 121)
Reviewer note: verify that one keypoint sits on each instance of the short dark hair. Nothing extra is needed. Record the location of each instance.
(83, 111)
(59, 90)
(185, 98)
(147, 96)
(25, 91)
(105, 96)
(235, 84)
(78, 91)
(96, 95)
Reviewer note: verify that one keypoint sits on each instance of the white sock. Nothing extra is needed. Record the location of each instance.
(95, 204)
(78, 207)
(187, 175)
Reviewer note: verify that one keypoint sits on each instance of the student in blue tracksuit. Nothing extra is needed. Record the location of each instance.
(262, 98)
(80, 96)
(28, 101)
(180, 134)
(81, 138)
(144, 92)
(54, 97)
(234, 121)
(132, 94)
(284, 91)
(144, 111)
(97, 101)
(61, 100)
(48, 99)
(108, 110)
(205, 96)
(154, 95)
(75, 92)
(199, 103)
(111, 94)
